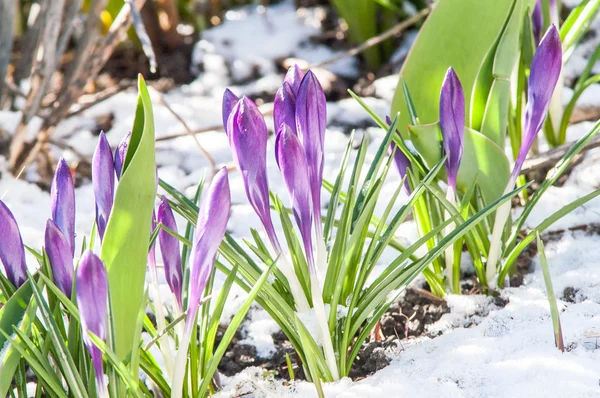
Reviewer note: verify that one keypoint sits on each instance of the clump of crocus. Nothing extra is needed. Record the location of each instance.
(247, 133)
(92, 296)
(545, 71)
(452, 125)
(300, 121)
(210, 230)
(103, 180)
(12, 252)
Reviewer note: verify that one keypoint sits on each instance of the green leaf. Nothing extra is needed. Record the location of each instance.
(558, 337)
(12, 313)
(231, 330)
(458, 33)
(125, 244)
(483, 161)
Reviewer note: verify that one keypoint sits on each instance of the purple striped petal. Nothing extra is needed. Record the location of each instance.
(293, 77)
(229, 101)
(61, 259)
(121, 153)
(210, 230)
(284, 107)
(452, 123)
(62, 193)
(248, 141)
(92, 295)
(537, 21)
(103, 181)
(294, 169)
(311, 121)
(12, 252)
(169, 248)
(544, 74)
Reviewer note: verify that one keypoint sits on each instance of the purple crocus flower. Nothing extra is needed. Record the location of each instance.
(284, 107)
(92, 294)
(292, 162)
(545, 71)
(452, 123)
(169, 248)
(103, 181)
(229, 101)
(61, 259)
(62, 193)
(537, 21)
(293, 77)
(120, 154)
(544, 74)
(311, 121)
(12, 252)
(210, 230)
(248, 140)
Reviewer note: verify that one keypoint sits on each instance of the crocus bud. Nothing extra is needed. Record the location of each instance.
(12, 252)
(311, 121)
(248, 141)
(293, 77)
(292, 162)
(62, 193)
(169, 248)
(229, 101)
(92, 295)
(61, 259)
(103, 181)
(284, 107)
(452, 123)
(544, 73)
(210, 230)
(120, 154)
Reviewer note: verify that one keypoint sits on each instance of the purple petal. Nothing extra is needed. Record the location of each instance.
(311, 121)
(452, 123)
(121, 153)
(12, 252)
(92, 294)
(210, 230)
(103, 180)
(61, 259)
(62, 193)
(169, 248)
(537, 20)
(248, 141)
(284, 107)
(229, 101)
(293, 77)
(544, 74)
(292, 162)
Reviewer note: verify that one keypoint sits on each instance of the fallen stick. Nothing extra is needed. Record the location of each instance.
(549, 158)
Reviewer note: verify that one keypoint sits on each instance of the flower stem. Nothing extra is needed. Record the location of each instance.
(495, 252)
(321, 317)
